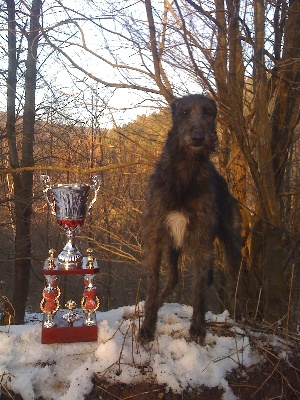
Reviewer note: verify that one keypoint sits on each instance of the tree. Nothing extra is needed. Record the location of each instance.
(23, 180)
(268, 122)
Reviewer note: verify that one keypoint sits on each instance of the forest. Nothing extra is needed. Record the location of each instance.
(86, 90)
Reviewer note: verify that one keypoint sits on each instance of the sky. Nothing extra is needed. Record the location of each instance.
(61, 84)
(65, 371)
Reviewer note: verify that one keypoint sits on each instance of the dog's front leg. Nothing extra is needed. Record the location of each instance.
(202, 264)
(152, 260)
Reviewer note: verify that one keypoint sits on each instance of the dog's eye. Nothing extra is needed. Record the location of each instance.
(207, 112)
(185, 112)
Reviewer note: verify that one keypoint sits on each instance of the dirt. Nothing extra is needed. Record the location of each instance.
(275, 379)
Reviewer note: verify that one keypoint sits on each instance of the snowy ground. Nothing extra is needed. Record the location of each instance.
(65, 371)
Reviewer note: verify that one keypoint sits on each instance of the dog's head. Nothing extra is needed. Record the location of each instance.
(194, 121)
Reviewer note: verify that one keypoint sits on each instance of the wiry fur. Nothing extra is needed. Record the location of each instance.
(188, 205)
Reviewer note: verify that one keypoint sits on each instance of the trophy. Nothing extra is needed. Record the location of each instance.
(72, 315)
(89, 302)
(50, 303)
(69, 203)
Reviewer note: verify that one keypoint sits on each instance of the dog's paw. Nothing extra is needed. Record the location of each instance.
(197, 335)
(145, 335)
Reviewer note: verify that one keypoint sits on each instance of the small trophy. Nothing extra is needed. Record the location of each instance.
(50, 303)
(89, 302)
(69, 203)
(72, 315)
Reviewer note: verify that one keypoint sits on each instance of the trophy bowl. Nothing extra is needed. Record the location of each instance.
(70, 204)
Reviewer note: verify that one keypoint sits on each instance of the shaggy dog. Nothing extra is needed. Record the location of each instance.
(188, 205)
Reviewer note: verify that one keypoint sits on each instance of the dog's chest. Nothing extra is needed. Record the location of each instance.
(176, 222)
(190, 210)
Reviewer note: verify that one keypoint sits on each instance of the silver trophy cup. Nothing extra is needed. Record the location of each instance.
(70, 204)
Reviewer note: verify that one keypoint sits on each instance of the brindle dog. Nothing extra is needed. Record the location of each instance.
(188, 205)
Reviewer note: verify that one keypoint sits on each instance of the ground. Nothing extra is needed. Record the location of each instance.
(246, 360)
(270, 381)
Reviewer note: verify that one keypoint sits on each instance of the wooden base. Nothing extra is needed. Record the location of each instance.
(69, 334)
(78, 271)
(62, 333)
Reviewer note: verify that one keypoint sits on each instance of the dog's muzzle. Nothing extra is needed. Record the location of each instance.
(196, 139)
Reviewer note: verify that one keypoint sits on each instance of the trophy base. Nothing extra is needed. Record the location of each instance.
(77, 325)
(61, 333)
(69, 334)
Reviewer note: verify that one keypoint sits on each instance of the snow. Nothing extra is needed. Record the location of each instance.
(65, 371)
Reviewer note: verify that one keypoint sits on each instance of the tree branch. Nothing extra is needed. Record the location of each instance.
(6, 171)
(103, 82)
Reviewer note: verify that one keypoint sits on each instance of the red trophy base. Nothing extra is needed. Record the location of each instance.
(69, 334)
(62, 333)
(66, 328)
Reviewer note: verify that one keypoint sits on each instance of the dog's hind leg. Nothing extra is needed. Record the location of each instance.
(172, 280)
(233, 258)
(231, 239)
(152, 260)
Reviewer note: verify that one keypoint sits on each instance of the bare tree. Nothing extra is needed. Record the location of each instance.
(23, 180)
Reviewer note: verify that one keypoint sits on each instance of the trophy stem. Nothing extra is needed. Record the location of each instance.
(70, 236)
(70, 257)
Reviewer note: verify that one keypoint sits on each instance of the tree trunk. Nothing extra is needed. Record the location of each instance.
(274, 280)
(23, 181)
(12, 84)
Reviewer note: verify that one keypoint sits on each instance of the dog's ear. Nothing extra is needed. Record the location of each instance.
(174, 105)
(213, 106)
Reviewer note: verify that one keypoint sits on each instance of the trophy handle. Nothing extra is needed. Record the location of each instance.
(97, 181)
(45, 182)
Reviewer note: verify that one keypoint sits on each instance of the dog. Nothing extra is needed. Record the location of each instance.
(188, 205)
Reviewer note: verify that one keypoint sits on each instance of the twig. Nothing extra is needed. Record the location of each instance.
(234, 311)
(258, 303)
(266, 380)
(3, 387)
(122, 348)
(6, 171)
(141, 394)
(106, 391)
(128, 397)
(289, 310)
(227, 356)
(8, 312)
